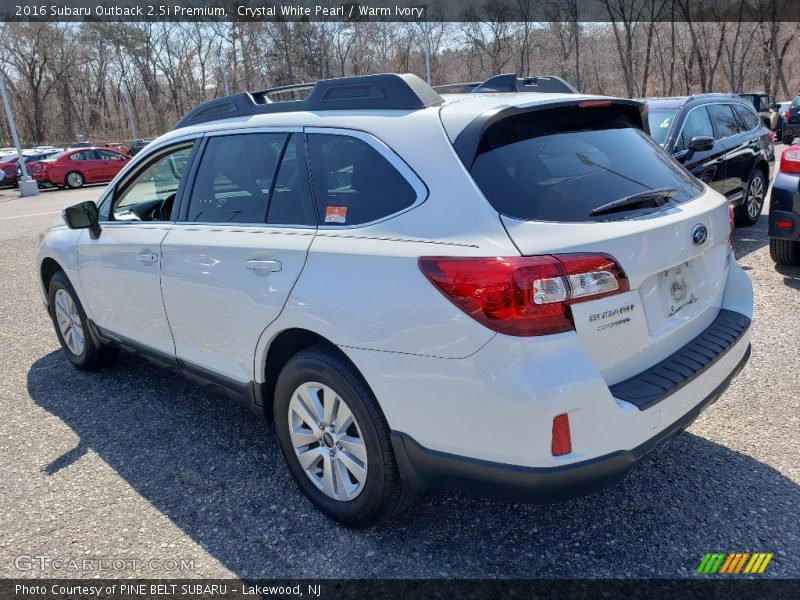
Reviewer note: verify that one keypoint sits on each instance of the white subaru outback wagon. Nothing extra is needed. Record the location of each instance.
(509, 290)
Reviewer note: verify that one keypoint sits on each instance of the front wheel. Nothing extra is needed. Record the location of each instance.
(750, 209)
(74, 180)
(784, 252)
(71, 326)
(335, 439)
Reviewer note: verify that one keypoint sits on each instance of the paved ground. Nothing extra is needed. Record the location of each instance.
(138, 464)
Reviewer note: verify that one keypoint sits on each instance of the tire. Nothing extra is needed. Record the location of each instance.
(749, 210)
(70, 323)
(320, 373)
(74, 180)
(785, 252)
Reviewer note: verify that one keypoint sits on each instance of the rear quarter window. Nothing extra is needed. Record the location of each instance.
(560, 164)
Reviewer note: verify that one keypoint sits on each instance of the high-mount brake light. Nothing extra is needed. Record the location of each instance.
(790, 159)
(589, 103)
(524, 295)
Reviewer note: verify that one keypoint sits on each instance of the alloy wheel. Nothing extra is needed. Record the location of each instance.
(327, 441)
(75, 180)
(755, 197)
(69, 322)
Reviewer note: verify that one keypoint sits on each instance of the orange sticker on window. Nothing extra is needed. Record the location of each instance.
(336, 214)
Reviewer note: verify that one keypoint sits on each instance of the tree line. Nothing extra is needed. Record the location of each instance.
(70, 81)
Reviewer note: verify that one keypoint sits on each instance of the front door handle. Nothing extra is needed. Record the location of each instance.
(271, 266)
(147, 258)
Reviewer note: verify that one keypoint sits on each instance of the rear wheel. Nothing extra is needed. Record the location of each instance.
(785, 252)
(74, 180)
(750, 209)
(336, 440)
(71, 326)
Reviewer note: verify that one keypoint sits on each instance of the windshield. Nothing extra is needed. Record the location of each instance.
(661, 121)
(562, 164)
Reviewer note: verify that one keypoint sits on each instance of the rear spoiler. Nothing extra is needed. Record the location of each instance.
(509, 82)
(467, 142)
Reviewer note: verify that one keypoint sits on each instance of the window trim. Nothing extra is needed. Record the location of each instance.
(752, 112)
(402, 167)
(187, 196)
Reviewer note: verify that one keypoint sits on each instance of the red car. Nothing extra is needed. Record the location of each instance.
(73, 168)
(8, 164)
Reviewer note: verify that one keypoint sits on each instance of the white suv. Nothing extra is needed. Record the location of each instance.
(506, 292)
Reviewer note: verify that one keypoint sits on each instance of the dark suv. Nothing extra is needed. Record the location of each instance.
(791, 121)
(721, 139)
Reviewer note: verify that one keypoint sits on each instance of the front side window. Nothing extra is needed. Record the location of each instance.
(353, 182)
(235, 177)
(697, 123)
(150, 194)
(724, 120)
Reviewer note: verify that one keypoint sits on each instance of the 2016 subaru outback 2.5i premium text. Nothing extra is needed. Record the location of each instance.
(501, 291)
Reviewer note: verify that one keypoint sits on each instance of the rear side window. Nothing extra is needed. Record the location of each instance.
(724, 120)
(234, 178)
(561, 164)
(750, 119)
(290, 203)
(354, 183)
(697, 123)
(83, 155)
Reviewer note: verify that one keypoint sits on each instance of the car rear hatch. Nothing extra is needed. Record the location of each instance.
(583, 177)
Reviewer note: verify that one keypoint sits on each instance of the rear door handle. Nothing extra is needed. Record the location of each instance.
(271, 266)
(147, 257)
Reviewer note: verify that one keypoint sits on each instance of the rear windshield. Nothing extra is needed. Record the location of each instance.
(561, 164)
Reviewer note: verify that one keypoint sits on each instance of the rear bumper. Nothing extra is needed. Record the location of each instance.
(422, 467)
(791, 129)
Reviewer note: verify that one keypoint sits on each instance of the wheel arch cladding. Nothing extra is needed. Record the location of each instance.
(48, 269)
(283, 347)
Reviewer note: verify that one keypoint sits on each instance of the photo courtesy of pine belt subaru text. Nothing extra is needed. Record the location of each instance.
(504, 287)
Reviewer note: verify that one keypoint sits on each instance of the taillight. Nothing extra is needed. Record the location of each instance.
(790, 160)
(783, 224)
(731, 223)
(787, 113)
(524, 295)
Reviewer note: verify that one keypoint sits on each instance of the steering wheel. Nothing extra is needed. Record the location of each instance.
(163, 211)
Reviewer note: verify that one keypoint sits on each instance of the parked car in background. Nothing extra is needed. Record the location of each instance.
(782, 106)
(119, 147)
(30, 159)
(76, 167)
(7, 151)
(784, 210)
(137, 146)
(765, 106)
(80, 145)
(722, 141)
(791, 121)
(8, 165)
(2, 177)
(45, 148)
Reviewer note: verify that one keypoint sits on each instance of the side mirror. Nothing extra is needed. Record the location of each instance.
(83, 216)
(775, 107)
(701, 143)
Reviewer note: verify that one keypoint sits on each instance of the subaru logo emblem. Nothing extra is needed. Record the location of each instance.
(699, 234)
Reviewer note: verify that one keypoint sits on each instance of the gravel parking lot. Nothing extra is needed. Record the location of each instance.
(135, 463)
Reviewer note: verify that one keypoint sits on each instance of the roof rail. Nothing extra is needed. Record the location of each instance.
(387, 91)
(509, 82)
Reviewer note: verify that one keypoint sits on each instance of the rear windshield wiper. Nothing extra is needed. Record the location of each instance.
(657, 197)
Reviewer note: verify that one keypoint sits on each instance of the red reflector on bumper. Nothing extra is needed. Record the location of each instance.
(562, 442)
(783, 224)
